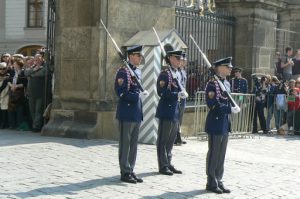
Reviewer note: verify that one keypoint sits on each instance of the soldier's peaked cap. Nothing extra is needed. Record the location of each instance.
(236, 69)
(176, 53)
(183, 56)
(168, 47)
(136, 49)
(223, 62)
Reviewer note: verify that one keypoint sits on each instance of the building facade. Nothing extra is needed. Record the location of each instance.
(23, 26)
(84, 102)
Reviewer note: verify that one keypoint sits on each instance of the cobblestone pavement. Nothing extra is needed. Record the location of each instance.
(33, 166)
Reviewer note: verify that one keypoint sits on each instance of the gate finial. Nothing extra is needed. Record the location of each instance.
(201, 6)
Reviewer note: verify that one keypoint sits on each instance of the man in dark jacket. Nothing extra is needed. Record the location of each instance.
(36, 91)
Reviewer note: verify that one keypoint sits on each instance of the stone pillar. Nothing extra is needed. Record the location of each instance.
(289, 24)
(2, 21)
(84, 101)
(255, 38)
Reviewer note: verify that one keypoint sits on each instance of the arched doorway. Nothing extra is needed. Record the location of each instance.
(29, 50)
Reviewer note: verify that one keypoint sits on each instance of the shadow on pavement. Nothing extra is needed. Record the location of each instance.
(11, 138)
(143, 175)
(73, 188)
(288, 137)
(69, 189)
(189, 194)
(285, 137)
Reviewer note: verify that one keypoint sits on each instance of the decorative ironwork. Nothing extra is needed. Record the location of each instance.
(50, 51)
(214, 32)
(200, 6)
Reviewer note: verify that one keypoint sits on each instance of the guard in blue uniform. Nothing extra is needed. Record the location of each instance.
(182, 77)
(238, 83)
(129, 113)
(217, 126)
(168, 113)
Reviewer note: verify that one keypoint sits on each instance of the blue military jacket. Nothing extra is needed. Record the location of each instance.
(217, 121)
(239, 85)
(167, 90)
(130, 105)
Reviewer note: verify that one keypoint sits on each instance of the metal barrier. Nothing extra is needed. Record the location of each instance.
(282, 116)
(241, 124)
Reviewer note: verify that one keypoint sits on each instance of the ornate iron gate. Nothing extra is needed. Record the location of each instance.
(50, 52)
(214, 32)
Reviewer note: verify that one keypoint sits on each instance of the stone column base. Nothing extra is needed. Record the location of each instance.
(82, 124)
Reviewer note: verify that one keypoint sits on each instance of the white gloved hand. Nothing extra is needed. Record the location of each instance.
(144, 94)
(235, 109)
(182, 94)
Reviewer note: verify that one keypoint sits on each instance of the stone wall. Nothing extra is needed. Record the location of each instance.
(2, 21)
(289, 19)
(84, 100)
(255, 34)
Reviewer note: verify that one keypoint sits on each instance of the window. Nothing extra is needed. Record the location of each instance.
(29, 50)
(35, 16)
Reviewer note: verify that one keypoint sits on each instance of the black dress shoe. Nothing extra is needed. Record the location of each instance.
(166, 171)
(180, 143)
(128, 178)
(214, 189)
(224, 189)
(136, 178)
(267, 132)
(172, 168)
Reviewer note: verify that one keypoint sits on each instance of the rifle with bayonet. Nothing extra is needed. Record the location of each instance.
(231, 100)
(123, 59)
(174, 76)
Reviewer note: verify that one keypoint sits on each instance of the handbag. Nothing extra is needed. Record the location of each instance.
(16, 96)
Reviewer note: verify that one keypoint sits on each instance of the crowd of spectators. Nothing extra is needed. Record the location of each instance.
(279, 95)
(22, 91)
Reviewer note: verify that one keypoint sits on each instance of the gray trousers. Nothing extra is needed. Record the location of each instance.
(36, 107)
(217, 145)
(129, 133)
(167, 131)
(181, 112)
(287, 76)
